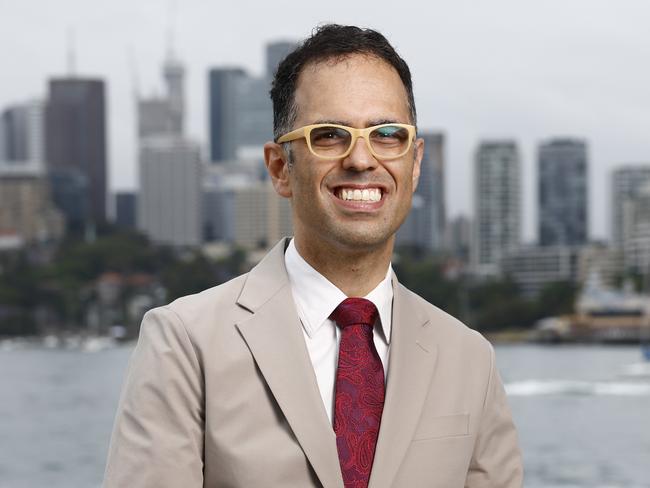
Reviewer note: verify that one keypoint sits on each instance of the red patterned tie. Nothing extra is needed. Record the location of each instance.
(360, 390)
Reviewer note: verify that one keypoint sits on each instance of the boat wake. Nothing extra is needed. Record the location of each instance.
(578, 388)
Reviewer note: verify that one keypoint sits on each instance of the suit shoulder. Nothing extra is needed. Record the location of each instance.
(199, 310)
(223, 294)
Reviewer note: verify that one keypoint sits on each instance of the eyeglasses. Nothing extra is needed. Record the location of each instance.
(331, 141)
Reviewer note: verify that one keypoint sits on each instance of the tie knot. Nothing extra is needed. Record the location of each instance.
(355, 311)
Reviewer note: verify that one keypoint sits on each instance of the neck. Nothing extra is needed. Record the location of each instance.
(355, 272)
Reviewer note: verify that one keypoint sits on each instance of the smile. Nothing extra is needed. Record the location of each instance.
(359, 195)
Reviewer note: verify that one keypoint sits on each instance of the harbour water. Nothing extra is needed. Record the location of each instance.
(583, 414)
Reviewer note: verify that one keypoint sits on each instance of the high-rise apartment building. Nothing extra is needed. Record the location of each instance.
(76, 143)
(425, 225)
(636, 230)
(563, 192)
(241, 113)
(627, 182)
(497, 204)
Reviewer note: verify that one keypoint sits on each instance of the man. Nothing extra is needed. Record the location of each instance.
(286, 377)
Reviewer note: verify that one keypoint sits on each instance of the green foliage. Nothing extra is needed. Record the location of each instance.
(189, 276)
(484, 305)
(556, 299)
(498, 305)
(121, 252)
(65, 286)
(426, 278)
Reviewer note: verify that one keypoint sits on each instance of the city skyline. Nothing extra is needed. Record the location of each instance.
(538, 72)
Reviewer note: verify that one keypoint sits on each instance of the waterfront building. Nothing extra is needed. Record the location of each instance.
(606, 314)
(602, 259)
(497, 204)
(76, 143)
(534, 267)
(563, 192)
(425, 225)
(627, 182)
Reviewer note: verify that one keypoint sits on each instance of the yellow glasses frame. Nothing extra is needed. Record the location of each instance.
(354, 132)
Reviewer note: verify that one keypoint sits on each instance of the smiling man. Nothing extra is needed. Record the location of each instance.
(318, 368)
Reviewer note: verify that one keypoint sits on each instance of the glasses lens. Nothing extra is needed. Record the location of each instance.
(329, 141)
(390, 140)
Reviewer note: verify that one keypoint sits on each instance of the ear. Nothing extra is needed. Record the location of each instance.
(419, 153)
(278, 168)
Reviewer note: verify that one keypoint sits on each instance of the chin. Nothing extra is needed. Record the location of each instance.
(371, 238)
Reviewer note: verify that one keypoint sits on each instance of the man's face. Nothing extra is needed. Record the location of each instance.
(358, 91)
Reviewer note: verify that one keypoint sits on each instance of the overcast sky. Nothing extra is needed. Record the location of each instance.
(527, 70)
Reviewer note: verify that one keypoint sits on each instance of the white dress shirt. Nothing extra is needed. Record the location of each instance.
(316, 298)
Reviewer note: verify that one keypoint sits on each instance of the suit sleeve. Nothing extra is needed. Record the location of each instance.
(157, 439)
(496, 460)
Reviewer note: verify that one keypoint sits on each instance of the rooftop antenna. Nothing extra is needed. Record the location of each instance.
(133, 71)
(71, 55)
(171, 30)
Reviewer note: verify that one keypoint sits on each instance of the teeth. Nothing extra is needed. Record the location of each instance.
(365, 195)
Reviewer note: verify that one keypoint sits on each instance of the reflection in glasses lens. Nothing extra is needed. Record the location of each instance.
(385, 141)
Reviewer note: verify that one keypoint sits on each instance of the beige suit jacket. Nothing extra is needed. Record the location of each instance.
(220, 393)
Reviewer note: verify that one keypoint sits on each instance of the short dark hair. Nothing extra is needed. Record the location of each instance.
(330, 41)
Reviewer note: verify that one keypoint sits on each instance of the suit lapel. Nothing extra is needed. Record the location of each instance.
(273, 334)
(412, 358)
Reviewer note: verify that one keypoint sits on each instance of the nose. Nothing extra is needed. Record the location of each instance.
(360, 157)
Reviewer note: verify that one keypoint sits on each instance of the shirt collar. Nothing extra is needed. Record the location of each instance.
(316, 297)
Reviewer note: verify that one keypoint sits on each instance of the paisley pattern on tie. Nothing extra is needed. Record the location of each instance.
(360, 390)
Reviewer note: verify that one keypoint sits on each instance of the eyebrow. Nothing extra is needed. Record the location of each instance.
(370, 123)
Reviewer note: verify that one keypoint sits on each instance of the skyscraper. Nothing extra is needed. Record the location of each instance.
(241, 113)
(22, 134)
(497, 204)
(126, 209)
(165, 114)
(223, 88)
(174, 74)
(426, 223)
(169, 204)
(627, 182)
(170, 201)
(76, 142)
(275, 52)
(563, 192)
